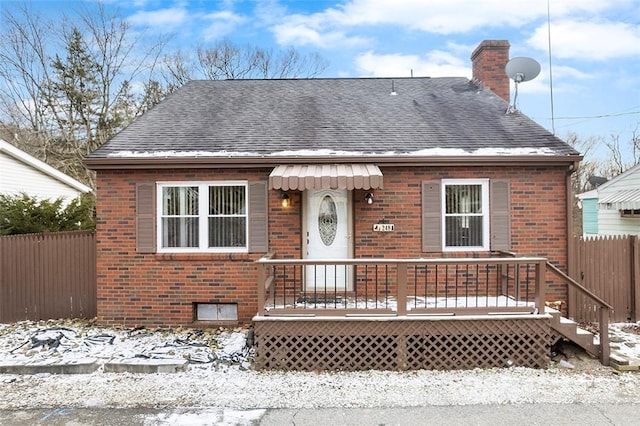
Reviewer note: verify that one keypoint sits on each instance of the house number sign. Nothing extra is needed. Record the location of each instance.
(383, 227)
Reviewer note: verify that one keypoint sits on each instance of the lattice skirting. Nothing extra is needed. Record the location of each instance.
(350, 344)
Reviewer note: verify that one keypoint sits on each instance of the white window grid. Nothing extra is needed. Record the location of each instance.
(203, 217)
(484, 213)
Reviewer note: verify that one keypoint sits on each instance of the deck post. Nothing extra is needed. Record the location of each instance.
(401, 270)
(635, 278)
(541, 283)
(603, 325)
(262, 278)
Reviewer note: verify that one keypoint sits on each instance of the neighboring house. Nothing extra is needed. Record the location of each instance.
(221, 173)
(22, 173)
(613, 208)
(589, 205)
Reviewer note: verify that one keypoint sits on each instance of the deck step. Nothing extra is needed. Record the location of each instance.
(570, 330)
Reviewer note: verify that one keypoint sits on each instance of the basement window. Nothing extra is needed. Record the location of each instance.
(216, 311)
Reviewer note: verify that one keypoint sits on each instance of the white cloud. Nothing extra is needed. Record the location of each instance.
(566, 79)
(434, 64)
(162, 19)
(301, 30)
(222, 23)
(460, 16)
(269, 12)
(439, 16)
(591, 41)
(569, 73)
(434, 16)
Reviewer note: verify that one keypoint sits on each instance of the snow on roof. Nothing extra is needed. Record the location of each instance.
(432, 152)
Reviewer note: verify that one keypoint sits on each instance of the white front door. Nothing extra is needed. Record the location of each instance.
(328, 236)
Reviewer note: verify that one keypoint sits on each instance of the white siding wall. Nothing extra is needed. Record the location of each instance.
(16, 177)
(609, 221)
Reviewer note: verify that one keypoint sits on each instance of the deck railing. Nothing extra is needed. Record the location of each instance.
(603, 308)
(397, 287)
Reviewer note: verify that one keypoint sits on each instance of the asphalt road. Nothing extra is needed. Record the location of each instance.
(525, 414)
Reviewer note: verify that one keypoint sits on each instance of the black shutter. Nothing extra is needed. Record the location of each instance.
(431, 216)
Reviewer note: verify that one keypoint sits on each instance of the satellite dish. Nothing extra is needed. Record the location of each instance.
(522, 69)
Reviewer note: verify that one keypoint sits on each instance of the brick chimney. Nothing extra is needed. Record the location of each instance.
(488, 61)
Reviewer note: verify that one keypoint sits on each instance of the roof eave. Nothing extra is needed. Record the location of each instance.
(255, 162)
(42, 167)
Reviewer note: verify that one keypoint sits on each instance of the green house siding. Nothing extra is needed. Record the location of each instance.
(590, 216)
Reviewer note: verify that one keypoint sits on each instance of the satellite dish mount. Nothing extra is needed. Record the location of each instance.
(520, 70)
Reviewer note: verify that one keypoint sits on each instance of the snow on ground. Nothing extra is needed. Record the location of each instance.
(339, 302)
(219, 375)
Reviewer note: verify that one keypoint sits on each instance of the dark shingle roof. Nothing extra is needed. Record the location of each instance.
(361, 116)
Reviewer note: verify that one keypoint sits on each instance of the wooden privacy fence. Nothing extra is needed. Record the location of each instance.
(608, 266)
(49, 275)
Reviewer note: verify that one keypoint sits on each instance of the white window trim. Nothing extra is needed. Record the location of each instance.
(484, 183)
(203, 203)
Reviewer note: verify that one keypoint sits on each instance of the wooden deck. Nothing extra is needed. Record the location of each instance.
(403, 314)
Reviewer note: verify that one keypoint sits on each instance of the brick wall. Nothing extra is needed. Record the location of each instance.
(160, 289)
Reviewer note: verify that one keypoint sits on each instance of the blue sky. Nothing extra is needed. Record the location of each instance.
(595, 44)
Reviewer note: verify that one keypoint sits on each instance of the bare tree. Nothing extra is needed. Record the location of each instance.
(589, 166)
(68, 86)
(24, 67)
(227, 60)
(580, 178)
(177, 70)
(616, 162)
(620, 157)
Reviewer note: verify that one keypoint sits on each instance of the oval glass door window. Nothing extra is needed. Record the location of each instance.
(327, 220)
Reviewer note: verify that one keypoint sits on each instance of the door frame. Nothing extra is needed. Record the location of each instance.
(350, 234)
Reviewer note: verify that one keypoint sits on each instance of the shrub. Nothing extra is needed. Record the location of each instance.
(24, 214)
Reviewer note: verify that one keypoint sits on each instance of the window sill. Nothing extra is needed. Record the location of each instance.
(206, 256)
(210, 324)
(465, 250)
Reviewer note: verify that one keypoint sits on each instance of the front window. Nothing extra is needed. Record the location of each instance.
(465, 215)
(202, 217)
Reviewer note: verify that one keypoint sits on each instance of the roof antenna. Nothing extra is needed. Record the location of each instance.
(520, 70)
(553, 123)
(393, 88)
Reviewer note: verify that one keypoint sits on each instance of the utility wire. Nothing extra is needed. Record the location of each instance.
(588, 117)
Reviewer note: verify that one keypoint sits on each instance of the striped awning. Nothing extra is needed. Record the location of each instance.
(325, 176)
(621, 200)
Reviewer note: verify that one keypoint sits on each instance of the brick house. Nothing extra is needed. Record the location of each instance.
(221, 173)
